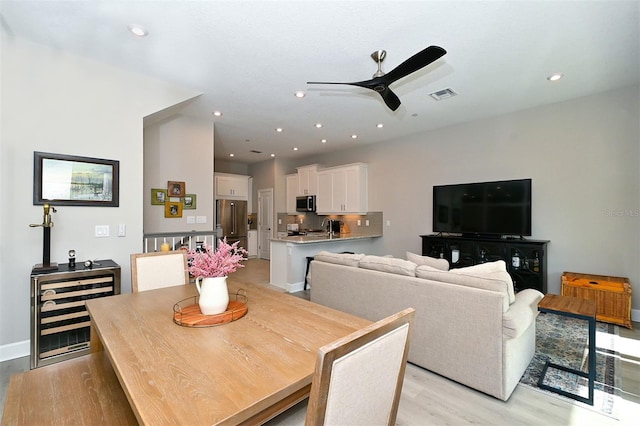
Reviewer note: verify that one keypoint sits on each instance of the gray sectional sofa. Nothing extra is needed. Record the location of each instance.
(469, 325)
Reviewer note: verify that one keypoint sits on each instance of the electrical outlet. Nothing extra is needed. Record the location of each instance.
(102, 231)
(388, 223)
(359, 222)
(366, 222)
(191, 219)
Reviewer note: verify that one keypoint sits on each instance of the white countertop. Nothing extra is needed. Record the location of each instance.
(309, 239)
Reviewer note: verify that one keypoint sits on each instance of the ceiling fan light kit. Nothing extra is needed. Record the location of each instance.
(381, 81)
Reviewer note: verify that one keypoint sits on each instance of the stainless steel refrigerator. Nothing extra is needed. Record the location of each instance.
(232, 221)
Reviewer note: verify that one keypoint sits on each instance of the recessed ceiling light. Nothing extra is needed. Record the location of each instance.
(217, 113)
(295, 148)
(273, 155)
(279, 129)
(555, 77)
(231, 155)
(379, 125)
(323, 141)
(354, 136)
(138, 30)
(318, 125)
(299, 94)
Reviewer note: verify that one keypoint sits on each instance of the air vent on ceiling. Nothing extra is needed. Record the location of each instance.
(443, 94)
(256, 152)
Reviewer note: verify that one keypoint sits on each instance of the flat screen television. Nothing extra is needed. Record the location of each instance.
(499, 208)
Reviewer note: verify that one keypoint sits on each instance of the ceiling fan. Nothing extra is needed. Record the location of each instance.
(381, 81)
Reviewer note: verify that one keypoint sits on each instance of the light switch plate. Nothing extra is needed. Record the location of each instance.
(191, 219)
(102, 231)
(122, 230)
(201, 219)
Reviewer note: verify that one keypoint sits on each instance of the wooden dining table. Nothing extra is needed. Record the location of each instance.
(242, 372)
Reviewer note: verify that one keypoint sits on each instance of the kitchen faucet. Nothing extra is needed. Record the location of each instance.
(330, 227)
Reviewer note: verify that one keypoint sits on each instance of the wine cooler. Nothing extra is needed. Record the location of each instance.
(60, 323)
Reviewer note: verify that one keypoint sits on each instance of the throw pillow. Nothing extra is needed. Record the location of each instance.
(481, 281)
(494, 270)
(441, 264)
(346, 259)
(389, 264)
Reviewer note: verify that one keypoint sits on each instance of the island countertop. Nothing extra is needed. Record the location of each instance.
(310, 239)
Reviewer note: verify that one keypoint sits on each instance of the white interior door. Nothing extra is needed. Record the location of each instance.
(265, 222)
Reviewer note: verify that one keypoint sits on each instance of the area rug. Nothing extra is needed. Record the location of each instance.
(563, 341)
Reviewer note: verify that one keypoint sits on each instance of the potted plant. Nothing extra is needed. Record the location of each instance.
(211, 267)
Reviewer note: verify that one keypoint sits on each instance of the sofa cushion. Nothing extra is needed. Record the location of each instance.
(478, 281)
(346, 259)
(495, 270)
(442, 264)
(389, 264)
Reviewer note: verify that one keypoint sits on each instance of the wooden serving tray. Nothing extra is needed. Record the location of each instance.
(186, 313)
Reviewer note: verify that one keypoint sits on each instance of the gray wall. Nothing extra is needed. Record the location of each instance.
(179, 148)
(56, 102)
(583, 156)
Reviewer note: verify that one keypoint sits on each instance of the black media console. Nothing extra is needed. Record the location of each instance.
(526, 259)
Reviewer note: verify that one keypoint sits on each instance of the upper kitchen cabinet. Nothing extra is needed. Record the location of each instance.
(292, 192)
(232, 187)
(308, 180)
(343, 190)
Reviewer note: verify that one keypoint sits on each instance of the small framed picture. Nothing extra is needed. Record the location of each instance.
(172, 209)
(189, 202)
(158, 196)
(176, 189)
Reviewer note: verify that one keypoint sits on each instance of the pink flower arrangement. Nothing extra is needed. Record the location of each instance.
(216, 263)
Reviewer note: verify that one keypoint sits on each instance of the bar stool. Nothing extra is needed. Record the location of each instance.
(306, 274)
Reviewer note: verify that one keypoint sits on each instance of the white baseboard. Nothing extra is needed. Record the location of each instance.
(15, 350)
(635, 315)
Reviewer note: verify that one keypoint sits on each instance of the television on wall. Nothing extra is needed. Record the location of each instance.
(499, 208)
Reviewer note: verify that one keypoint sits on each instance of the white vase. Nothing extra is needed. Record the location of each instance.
(214, 296)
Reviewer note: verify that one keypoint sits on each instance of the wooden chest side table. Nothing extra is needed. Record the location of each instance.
(611, 294)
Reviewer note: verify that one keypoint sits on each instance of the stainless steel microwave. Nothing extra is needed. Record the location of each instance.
(306, 203)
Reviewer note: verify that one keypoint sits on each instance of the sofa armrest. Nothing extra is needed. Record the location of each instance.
(521, 313)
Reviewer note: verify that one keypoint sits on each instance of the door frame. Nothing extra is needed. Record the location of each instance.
(264, 249)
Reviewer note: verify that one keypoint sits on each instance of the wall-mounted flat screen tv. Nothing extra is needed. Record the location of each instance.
(485, 208)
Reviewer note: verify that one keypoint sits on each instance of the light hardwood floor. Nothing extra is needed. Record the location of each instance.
(429, 399)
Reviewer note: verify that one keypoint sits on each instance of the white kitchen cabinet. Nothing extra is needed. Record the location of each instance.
(292, 192)
(233, 187)
(252, 243)
(343, 190)
(308, 180)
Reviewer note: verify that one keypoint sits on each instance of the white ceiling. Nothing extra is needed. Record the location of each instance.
(248, 59)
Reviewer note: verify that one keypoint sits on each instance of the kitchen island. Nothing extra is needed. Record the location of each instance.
(289, 255)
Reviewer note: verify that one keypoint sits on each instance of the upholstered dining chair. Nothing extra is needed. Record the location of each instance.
(158, 269)
(358, 378)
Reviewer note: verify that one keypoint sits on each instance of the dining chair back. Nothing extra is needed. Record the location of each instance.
(358, 378)
(158, 269)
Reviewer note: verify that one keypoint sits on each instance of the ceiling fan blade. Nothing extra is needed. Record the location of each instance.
(390, 98)
(414, 63)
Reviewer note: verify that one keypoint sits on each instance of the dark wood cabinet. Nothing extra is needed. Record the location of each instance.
(60, 323)
(526, 259)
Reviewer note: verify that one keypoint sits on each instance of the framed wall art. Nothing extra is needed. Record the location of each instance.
(173, 209)
(158, 196)
(176, 189)
(189, 202)
(69, 180)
